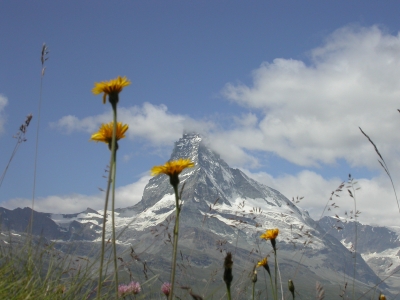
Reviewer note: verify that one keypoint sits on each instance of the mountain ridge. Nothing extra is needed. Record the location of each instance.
(222, 210)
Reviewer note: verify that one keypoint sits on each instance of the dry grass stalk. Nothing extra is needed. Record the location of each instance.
(20, 136)
(383, 165)
(320, 292)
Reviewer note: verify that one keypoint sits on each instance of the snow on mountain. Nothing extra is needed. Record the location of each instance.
(214, 189)
(378, 245)
(221, 207)
(237, 209)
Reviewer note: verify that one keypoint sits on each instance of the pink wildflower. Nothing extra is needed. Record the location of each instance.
(134, 287)
(122, 290)
(166, 288)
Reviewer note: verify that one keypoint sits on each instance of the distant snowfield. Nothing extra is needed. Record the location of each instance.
(139, 222)
(63, 221)
(383, 262)
(266, 212)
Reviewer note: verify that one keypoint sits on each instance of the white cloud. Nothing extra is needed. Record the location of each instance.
(306, 113)
(311, 113)
(151, 122)
(125, 196)
(231, 145)
(375, 198)
(70, 124)
(3, 103)
(131, 194)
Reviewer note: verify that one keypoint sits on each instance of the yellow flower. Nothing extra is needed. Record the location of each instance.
(172, 168)
(105, 132)
(270, 234)
(262, 263)
(382, 297)
(114, 86)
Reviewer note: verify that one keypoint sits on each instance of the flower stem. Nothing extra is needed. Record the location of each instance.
(113, 176)
(272, 287)
(276, 275)
(113, 222)
(280, 279)
(175, 247)
(103, 234)
(228, 292)
(111, 179)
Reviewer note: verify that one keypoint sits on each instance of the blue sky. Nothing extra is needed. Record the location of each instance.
(279, 88)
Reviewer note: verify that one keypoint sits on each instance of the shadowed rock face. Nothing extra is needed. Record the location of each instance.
(43, 225)
(369, 238)
(379, 246)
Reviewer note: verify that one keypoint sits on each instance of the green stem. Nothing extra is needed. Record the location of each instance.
(228, 292)
(175, 249)
(113, 221)
(272, 287)
(111, 178)
(103, 234)
(276, 276)
(280, 280)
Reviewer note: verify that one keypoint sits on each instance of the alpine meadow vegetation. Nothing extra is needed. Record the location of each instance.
(33, 268)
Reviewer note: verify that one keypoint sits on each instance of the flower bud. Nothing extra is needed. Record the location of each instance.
(291, 287)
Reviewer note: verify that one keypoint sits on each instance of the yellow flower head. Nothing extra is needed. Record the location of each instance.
(114, 86)
(382, 297)
(262, 263)
(172, 168)
(270, 234)
(106, 130)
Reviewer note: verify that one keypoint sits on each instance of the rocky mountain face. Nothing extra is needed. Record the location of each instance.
(379, 246)
(50, 226)
(222, 210)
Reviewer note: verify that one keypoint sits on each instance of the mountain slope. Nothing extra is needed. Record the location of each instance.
(223, 210)
(51, 226)
(236, 209)
(378, 245)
